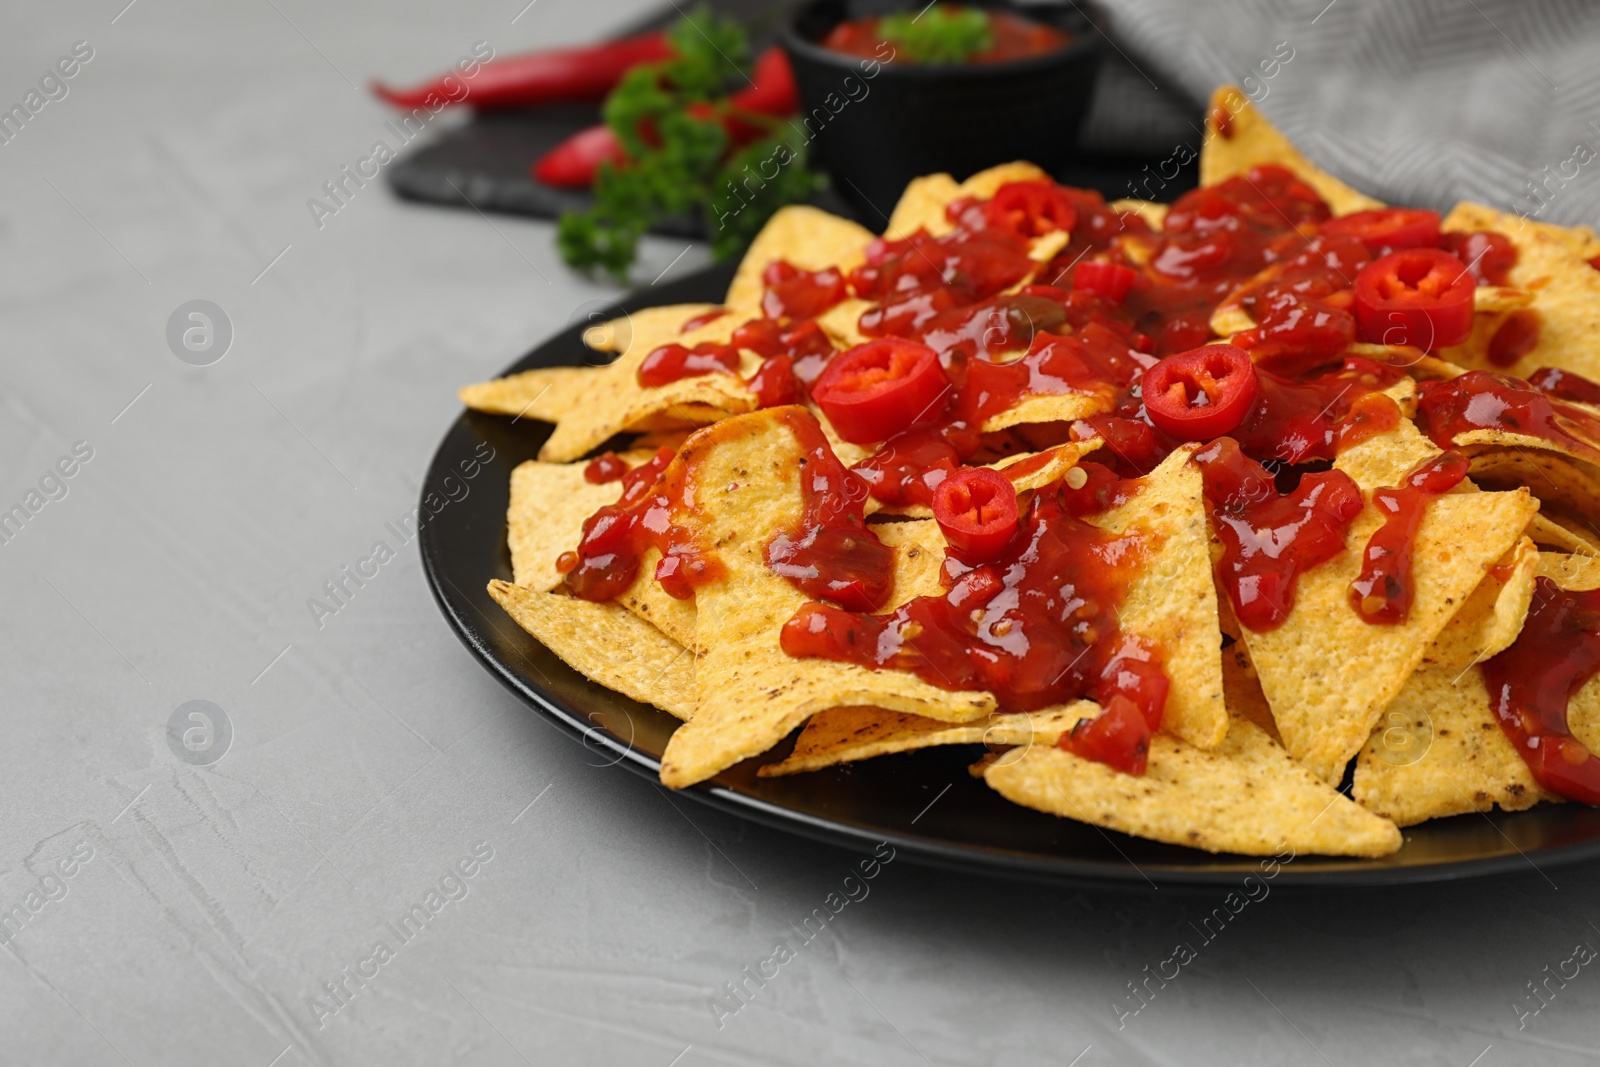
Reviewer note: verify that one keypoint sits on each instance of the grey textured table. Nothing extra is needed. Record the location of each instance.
(378, 786)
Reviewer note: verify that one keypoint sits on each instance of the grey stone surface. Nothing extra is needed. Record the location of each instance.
(176, 912)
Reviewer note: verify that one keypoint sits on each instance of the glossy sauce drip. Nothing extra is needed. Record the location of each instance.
(1566, 385)
(1037, 626)
(1297, 420)
(1095, 360)
(831, 554)
(606, 561)
(1385, 589)
(606, 467)
(671, 363)
(792, 293)
(1531, 683)
(1269, 540)
(1479, 400)
(704, 318)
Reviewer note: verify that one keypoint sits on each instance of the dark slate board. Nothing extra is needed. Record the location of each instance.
(485, 163)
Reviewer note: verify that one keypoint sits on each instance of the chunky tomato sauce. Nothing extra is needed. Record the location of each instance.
(1036, 626)
(1531, 683)
(1035, 620)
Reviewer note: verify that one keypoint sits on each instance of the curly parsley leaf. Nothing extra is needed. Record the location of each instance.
(668, 117)
(939, 34)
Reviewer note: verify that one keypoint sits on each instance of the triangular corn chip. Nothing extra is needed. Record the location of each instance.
(1244, 796)
(615, 402)
(746, 486)
(1490, 619)
(1172, 600)
(543, 394)
(804, 237)
(1328, 673)
(549, 502)
(1565, 288)
(1246, 139)
(616, 335)
(845, 735)
(606, 644)
(1438, 751)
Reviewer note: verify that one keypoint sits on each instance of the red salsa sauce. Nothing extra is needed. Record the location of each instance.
(1269, 539)
(1036, 626)
(1385, 589)
(1531, 683)
(1010, 37)
(606, 561)
(1484, 400)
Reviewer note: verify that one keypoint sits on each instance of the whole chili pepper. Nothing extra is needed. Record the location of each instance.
(563, 75)
(574, 163)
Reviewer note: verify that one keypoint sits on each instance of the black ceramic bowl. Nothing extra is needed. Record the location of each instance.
(875, 126)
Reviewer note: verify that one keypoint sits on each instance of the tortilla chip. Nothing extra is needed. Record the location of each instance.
(805, 237)
(921, 207)
(1153, 213)
(605, 644)
(1027, 470)
(544, 393)
(1578, 572)
(745, 479)
(1327, 673)
(1242, 689)
(1557, 535)
(1252, 140)
(616, 403)
(1491, 618)
(842, 323)
(1566, 294)
(615, 335)
(845, 735)
(1172, 600)
(549, 502)
(1245, 796)
(1488, 299)
(1439, 751)
(1048, 407)
(646, 599)
(1567, 487)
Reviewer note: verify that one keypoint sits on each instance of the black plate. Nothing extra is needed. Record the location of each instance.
(924, 803)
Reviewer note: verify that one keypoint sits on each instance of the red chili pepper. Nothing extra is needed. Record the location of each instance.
(1031, 208)
(574, 163)
(563, 75)
(1201, 394)
(1119, 737)
(1109, 281)
(1420, 297)
(976, 509)
(1388, 229)
(875, 390)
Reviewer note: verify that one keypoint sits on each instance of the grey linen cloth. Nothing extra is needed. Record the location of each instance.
(1421, 103)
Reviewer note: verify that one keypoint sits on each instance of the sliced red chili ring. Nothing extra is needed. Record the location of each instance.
(976, 509)
(875, 390)
(1420, 297)
(1109, 281)
(1389, 229)
(1031, 208)
(1201, 394)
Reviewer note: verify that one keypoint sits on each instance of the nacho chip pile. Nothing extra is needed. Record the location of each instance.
(1307, 628)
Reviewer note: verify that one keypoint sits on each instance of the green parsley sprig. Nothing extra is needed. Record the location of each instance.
(939, 34)
(679, 158)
